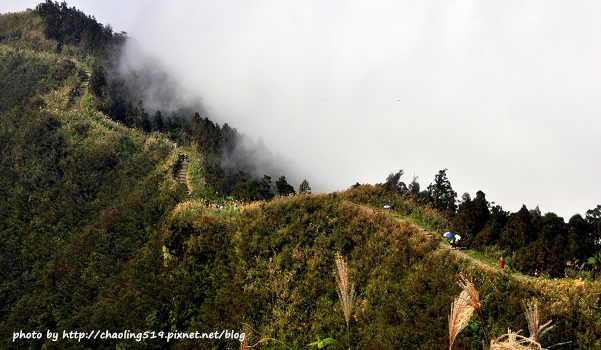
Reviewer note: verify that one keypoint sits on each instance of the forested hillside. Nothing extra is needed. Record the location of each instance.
(530, 240)
(80, 197)
(96, 232)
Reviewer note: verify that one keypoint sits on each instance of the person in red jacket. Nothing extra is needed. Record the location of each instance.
(502, 263)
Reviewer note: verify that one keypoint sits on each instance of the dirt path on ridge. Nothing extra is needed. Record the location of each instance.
(443, 245)
(80, 91)
(78, 96)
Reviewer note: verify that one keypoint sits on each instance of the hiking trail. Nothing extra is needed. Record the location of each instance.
(80, 91)
(182, 177)
(444, 245)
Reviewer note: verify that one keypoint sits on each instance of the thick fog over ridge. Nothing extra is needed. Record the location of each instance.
(505, 95)
(150, 81)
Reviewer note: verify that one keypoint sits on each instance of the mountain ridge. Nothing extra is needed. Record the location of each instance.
(98, 234)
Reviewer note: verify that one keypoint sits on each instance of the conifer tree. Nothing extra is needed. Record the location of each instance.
(157, 121)
(414, 186)
(394, 184)
(265, 187)
(283, 187)
(442, 194)
(304, 187)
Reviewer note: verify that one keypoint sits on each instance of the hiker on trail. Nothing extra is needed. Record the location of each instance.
(502, 263)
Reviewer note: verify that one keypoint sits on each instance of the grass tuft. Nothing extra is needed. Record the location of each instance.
(461, 312)
(534, 327)
(346, 290)
(514, 341)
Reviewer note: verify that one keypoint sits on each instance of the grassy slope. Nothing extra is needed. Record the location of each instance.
(272, 265)
(24, 31)
(96, 241)
(84, 196)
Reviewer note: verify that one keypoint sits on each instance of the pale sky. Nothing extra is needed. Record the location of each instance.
(505, 94)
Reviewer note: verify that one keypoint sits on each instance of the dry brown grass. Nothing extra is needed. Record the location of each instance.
(514, 341)
(346, 289)
(461, 312)
(474, 297)
(462, 308)
(534, 327)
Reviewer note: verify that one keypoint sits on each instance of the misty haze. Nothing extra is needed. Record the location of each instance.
(503, 95)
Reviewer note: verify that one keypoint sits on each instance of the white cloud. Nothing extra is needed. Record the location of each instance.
(506, 95)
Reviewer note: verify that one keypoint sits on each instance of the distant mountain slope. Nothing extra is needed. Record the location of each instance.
(80, 199)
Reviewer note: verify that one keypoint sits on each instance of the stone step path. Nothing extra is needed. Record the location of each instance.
(182, 172)
(182, 176)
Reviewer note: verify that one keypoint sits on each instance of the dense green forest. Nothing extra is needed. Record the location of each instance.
(96, 233)
(529, 239)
